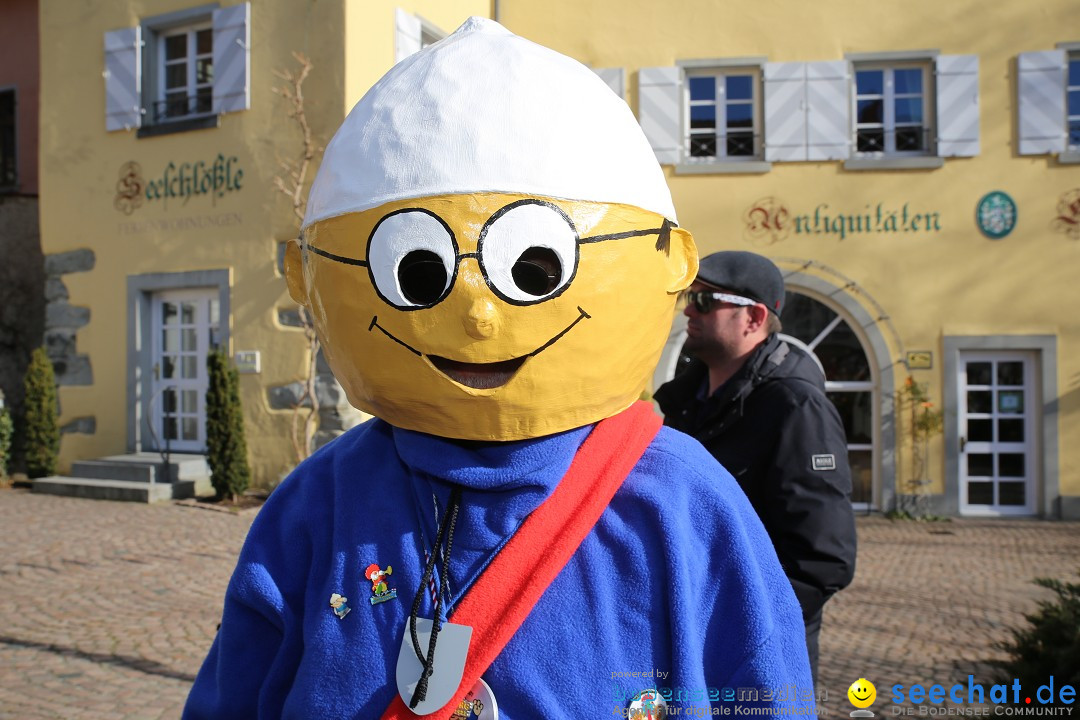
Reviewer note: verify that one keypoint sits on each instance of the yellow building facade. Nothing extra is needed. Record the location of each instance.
(910, 167)
(162, 137)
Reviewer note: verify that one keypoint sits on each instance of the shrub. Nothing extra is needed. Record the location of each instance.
(41, 431)
(1050, 643)
(225, 442)
(6, 428)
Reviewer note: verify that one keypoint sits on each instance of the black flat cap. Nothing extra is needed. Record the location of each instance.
(747, 274)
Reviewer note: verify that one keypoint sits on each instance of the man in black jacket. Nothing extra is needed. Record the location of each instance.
(758, 405)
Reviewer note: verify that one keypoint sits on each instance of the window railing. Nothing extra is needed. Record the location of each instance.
(736, 144)
(181, 107)
(909, 140)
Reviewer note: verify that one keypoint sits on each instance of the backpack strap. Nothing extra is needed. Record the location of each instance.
(503, 596)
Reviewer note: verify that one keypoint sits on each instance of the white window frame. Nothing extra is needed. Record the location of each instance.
(889, 96)
(722, 103)
(996, 447)
(190, 61)
(429, 33)
(871, 386)
(154, 32)
(413, 33)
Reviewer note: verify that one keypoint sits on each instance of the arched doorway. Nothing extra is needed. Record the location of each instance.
(827, 335)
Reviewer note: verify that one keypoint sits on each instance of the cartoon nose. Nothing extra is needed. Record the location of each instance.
(482, 321)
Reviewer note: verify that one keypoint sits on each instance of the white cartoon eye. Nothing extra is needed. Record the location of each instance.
(411, 259)
(528, 251)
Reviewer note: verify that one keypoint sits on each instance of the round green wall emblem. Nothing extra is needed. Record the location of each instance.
(996, 215)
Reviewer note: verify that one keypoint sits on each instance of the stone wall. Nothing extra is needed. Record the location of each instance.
(336, 415)
(63, 320)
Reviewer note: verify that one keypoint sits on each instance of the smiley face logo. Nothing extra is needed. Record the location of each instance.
(862, 693)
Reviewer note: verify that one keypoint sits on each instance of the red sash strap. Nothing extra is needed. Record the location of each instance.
(505, 593)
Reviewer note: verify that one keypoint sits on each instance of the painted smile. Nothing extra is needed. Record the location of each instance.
(479, 376)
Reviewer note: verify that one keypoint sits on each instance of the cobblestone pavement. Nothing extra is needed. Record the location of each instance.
(107, 609)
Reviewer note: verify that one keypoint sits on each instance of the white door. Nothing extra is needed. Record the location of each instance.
(997, 445)
(184, 328)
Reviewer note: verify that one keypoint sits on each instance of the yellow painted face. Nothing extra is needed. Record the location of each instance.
(862, 693)
(492, 316)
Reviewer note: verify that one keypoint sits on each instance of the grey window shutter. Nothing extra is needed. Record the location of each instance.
(615, 79)
(660, 109)
(785, 111)
(1041, 102)
(407, 34)
(828, 110)
(123, 79)
(232, 58)
(957, 105)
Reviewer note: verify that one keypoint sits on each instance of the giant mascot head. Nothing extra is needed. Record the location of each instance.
(490, 250)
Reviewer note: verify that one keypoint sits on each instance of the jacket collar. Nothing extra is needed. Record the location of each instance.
(729, 397)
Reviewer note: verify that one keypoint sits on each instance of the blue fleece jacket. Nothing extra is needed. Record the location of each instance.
(677, 579)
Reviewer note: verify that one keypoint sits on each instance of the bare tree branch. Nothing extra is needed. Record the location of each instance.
(292, 187)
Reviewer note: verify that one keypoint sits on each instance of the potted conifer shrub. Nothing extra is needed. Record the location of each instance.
(225, 442)
(41, 430)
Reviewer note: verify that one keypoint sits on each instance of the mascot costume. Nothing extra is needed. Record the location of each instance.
(492, 261)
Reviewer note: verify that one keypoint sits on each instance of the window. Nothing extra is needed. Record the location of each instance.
(829, 339)
(722, 115)
(8, 167)
(900, 109)
(1072, 102)
(412, 34)
(429, 35)
(891, 115)
(185, 73)
(178, 71)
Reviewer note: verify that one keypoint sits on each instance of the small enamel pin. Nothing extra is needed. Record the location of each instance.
(379, 590)
(337, 603)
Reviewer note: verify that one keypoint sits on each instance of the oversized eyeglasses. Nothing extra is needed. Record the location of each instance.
(527, 252)
(703, 300)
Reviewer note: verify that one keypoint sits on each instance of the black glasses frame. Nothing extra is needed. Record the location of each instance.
(663, 232)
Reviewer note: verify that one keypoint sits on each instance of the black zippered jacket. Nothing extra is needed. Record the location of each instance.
(773, 428)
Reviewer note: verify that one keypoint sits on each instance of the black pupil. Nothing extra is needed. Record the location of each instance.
(537, 271)
(422, 276)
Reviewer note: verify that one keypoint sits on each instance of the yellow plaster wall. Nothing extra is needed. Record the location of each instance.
(80, 163)
(954, 281)
(369, 27)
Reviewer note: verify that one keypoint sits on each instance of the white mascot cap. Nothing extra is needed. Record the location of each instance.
(487, 111)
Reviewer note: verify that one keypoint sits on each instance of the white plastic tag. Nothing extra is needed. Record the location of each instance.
(450, 653)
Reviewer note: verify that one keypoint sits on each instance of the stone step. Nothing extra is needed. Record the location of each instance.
(104, 489)
(129, 472)
(182, 466)
(143, 467)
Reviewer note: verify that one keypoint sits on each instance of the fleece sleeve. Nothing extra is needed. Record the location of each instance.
(807, 504)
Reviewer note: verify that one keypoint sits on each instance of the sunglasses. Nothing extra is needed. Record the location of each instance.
(704, 300)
